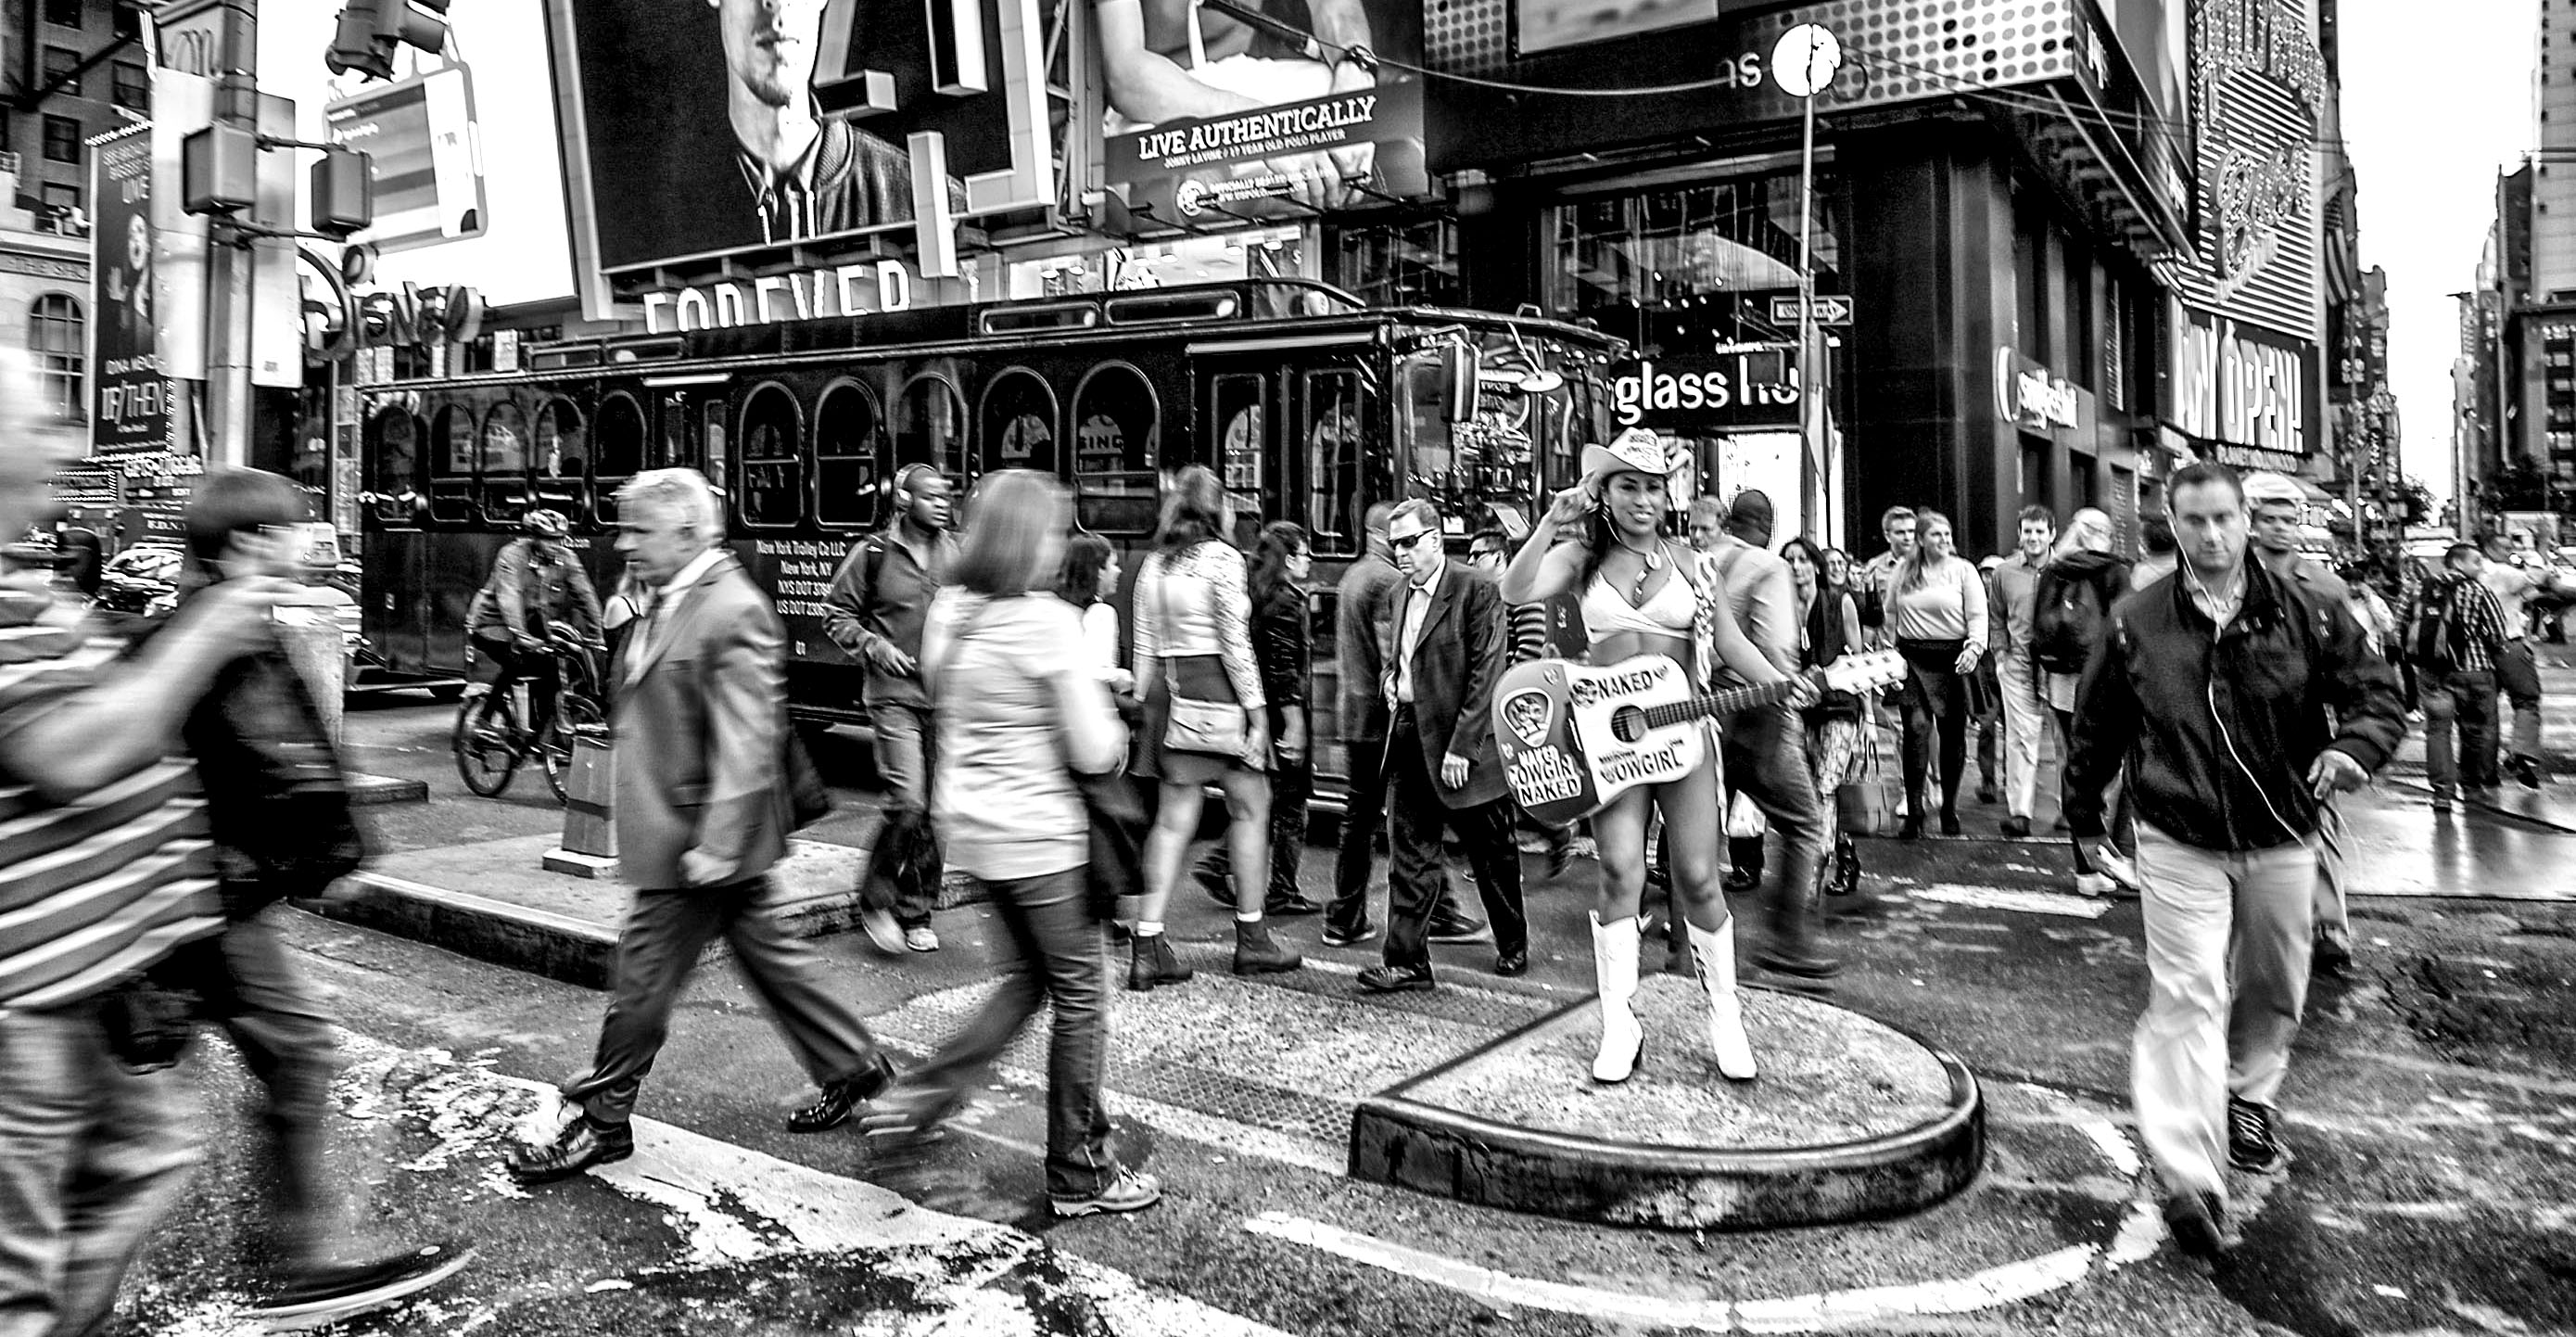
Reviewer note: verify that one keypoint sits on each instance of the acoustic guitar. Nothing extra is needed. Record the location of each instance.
(1574, 737)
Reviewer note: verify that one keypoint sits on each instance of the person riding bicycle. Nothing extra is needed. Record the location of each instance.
(538, 586)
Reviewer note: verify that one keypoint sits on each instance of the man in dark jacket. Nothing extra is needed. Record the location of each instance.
(538, 586)
(2213, 685)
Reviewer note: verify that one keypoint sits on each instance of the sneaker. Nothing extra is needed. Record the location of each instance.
(2016, 827)
(1290, 907)
(2329, 959)
(329, 1294)
(1129, 1191)
(2198, 1223)
(883, 933)
(2253, 1146)
(2525, 772)
(1464, 928)
(921, 939)
(1336, 936)
(2094, 885)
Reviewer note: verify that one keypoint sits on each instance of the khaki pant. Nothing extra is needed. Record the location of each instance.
(2227, 976)
(2025, 715)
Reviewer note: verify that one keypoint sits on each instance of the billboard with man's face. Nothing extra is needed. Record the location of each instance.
(715, 127)
(1235, 110)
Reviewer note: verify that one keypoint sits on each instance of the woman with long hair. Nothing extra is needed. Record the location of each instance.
(1936, 608)
(1284, 644)
(1643, 594)
(2083, 558)
(1088, 582)
(1206, 723)
(1017, 716)
(1828, 624)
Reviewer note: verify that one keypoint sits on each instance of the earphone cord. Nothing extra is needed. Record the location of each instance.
(2209, 690)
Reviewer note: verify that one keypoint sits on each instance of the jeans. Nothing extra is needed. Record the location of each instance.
(905, 753)
(1057, 958)
(2227, 976)
(1935, 697)
(2518, 673)
(2025, 714)
(1766, 758)
(2467, 702)
(91, 1156)
(1414, 879)
(285, 1039)
(658, 950)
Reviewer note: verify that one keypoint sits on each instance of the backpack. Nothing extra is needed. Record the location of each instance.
(2065, 621)
(2435, 638)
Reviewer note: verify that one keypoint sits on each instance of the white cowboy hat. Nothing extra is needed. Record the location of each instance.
(1633, 451)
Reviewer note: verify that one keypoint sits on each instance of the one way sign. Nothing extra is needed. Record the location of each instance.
(1829, 310)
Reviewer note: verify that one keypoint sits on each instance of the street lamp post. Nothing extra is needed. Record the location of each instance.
(1803, 64)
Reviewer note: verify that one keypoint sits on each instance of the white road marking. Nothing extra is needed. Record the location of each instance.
(2026, 902)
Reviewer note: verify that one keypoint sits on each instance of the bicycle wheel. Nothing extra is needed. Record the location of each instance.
(575, 715)
(486, 763)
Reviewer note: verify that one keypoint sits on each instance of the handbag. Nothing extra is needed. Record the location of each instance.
(1191, 724)
(1865, 805)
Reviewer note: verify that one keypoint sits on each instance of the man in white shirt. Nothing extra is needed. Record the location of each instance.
(2010, 610)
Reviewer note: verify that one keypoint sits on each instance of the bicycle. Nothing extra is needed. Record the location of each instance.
(490, 749)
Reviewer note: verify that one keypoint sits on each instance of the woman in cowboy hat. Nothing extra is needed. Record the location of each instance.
(1643, 594)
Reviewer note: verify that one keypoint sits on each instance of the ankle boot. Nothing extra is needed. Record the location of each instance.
(1150, 964)
(1257, 953)
(1614, 970)
(1846, 866)
(1715, 952)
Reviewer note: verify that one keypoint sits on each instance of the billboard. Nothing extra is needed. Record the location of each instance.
(710, 129)
(1545, 25)
(130, 397)
(1246, 110)
(454, 204)
(2260, 92)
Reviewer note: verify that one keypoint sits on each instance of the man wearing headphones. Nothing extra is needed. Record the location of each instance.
(2213, 686)
(878, 601)
(538, 585)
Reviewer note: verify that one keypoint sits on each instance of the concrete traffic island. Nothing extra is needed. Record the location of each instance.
(1851, 1119)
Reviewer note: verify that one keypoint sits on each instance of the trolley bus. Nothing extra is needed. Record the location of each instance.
(1310, 405)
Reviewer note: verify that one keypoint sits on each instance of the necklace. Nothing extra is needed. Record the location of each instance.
(1654, 561)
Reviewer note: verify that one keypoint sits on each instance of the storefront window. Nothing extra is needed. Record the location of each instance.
(1400, 264)
(1683, 267)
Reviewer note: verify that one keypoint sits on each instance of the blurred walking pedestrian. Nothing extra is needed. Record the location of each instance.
(278, 812)
(874, 612)
(2454, 633)
(1018, 718)
(1828, 620)
(2517, 668)
(1447, 653)
(1285, 648)
(2278, 506)
(2071, 608)
(1936, 606)
(2212, 687)
(106, 873)
(703, 814)
(1206, 723)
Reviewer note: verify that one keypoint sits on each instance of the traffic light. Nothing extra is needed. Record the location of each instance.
(371, 30)
(344, 193)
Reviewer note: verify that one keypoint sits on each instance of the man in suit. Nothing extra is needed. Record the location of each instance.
(1448, 649)
(702, 816)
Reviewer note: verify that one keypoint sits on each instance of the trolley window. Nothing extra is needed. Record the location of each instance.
(451, 466)
(559, 454)
(848, 437)
(773, 476)
(617, 442)
(505, 463)
(930, 425)
(393, 462)
(1334, 412)
(1242, 422)
(1018, 430)
(1117, 424)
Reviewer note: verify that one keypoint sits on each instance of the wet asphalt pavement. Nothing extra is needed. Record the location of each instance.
(2431, 1108)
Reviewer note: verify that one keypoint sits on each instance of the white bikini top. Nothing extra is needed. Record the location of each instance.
(1669, 612)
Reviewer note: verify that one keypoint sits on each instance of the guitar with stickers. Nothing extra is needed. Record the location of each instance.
(1573, 737)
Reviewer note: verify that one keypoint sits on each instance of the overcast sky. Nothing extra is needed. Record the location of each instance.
(2435, 100)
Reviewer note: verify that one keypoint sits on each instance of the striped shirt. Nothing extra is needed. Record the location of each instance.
(2481, 618)
(99, 890)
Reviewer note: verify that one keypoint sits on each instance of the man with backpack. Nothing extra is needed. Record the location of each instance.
(2070, 605)
(2011, 609)
(2454, 633)
(878, 601)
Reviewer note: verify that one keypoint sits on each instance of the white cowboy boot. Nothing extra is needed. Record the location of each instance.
(1614, 968)
(1715, 953)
